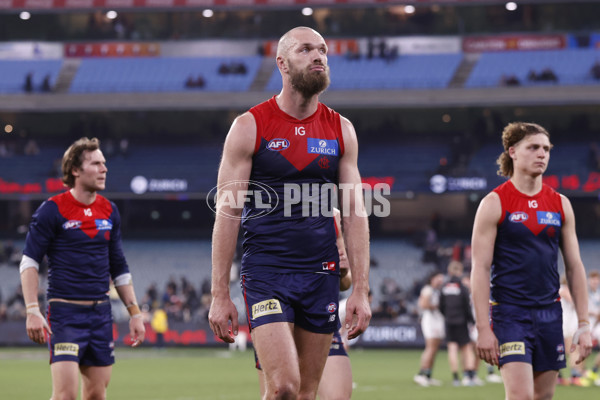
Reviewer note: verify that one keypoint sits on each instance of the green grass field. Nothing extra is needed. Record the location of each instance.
(189, 374)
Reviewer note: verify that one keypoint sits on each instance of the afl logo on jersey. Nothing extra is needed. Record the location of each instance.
(72, 224)
(518, 216)
(278, 144)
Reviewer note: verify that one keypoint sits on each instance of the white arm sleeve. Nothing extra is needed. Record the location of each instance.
(28, 262)
(123, 279)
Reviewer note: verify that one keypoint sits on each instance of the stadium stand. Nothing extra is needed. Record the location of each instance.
(161, 74)
(571, 66)
(415, 163)
(14, 72)
(432, 71)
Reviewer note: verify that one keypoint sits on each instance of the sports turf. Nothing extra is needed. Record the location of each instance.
(190, 374)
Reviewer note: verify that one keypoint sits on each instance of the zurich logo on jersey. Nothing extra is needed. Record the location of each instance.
(71, 224)
(278, 144)
(322, 146)
(103, 224)
(548, 218)
(518, 216)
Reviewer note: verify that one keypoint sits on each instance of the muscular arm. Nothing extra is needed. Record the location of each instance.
(236, 165)
(576, 279)
(356, 233)
(482, 247)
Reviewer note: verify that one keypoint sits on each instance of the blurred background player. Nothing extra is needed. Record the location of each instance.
(569, 315)
(79, 231)
(336, 381)
(455, 306)
(432, 325)
(594, 311)
(518, 230)
(292, 294)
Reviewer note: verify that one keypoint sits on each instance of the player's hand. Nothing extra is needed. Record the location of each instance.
(35, 325)
(223, 318)
(583, 339)
(137, 330)
(358, 314)
(487, 346)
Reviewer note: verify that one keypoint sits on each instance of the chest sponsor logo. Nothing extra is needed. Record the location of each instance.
(512, 348)
(266, 307)
(278, 144)
(322, 146)
(518, 216)
(548, 218)
(103, 224)
(66, 349)
(87, 212)
(299, 130)
(532, 204)
(71, 224)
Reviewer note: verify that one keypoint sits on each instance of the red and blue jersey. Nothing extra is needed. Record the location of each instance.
(83, 245)
(524, 268)
(295, 162)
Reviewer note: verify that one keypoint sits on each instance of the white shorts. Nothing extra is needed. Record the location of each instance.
(432, 325)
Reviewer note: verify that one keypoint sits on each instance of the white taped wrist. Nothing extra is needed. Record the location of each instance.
(582, 329)
(36, 311)
(122, 280)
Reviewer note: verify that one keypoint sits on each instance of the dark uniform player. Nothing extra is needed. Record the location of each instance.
(518, 230)
(455, 305)
(288, 152)
(79, 231)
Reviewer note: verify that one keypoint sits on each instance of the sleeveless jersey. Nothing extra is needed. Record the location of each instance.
(83, 245)
(524, 268)
(295, 162)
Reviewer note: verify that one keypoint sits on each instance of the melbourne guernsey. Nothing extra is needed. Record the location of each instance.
(83, 245)
(288, 225)
(524, 268)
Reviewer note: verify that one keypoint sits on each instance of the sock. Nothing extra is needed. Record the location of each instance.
(427, 373)
(595, 369)
(490, 369)
(455, 376)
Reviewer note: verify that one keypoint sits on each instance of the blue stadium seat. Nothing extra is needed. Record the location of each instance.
(12, 78)
(161, 74)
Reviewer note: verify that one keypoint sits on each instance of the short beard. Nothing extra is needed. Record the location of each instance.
(309, 83)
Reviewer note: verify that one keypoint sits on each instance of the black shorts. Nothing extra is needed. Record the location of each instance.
(458, 334)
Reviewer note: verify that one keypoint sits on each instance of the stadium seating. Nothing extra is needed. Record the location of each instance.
(415, 163)
(161, 74)
(432, 71)
(571, 66)
(12, 78)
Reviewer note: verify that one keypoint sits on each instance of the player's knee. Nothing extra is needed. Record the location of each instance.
(544, 394)
(94, 393)
(284, 390)
(64, 395)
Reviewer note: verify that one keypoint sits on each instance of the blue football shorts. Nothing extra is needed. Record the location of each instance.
(83, 334)
(530, 334)
(308, 300)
